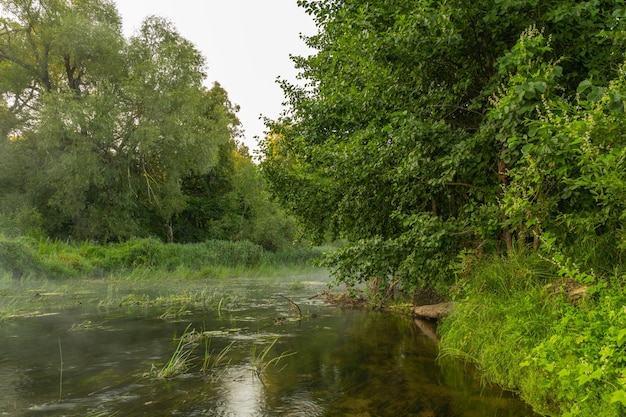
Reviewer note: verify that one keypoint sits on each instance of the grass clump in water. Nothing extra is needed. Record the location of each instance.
(261, 361)
(184, 357)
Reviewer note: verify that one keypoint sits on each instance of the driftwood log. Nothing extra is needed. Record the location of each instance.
(433, 311)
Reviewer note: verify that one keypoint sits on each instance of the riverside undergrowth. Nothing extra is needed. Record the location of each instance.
(564, 357)
(45, 258)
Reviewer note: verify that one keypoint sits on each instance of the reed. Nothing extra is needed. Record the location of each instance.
(215, 365)
(262, 361)
(181, 359)
(60, 372)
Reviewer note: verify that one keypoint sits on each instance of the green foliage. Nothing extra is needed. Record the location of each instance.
(23, 257)
(102, 130)
(483, 139)
(106, 138)
(429, 128)
(231, 202)
(563, 357)
(579, 367)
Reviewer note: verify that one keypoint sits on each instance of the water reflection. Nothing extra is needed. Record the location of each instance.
(349, 363)
(241, 395)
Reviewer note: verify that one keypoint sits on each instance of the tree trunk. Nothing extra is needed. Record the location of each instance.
(169, 230)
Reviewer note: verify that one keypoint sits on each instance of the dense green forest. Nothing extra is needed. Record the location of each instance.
(477, 150)
(104, 138)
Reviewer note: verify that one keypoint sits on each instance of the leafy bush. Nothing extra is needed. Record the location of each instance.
(578, 368)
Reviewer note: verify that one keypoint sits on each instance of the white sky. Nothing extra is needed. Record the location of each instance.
(246, 44)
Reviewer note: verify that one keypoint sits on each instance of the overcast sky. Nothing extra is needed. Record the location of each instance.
(246, 44)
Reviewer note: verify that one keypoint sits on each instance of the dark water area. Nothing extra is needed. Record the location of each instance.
(331, 362)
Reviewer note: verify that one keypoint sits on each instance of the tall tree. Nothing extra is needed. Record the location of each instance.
(105, 128)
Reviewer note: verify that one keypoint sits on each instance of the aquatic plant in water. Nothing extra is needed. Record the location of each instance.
(212, 365)
(261, 362)
(183, 357)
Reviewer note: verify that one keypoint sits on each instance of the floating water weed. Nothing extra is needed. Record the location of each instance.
(174, 312)
(8, 310)
(295, 286)
(84, 326)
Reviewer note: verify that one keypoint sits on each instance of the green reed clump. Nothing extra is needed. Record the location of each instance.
(184, 357)
(261, 360)
(214, 365)
(564, 357)
(134, 253)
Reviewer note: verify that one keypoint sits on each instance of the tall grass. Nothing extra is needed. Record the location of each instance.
(564, 357)
(183, 358)
(22, 257)
(503, 311)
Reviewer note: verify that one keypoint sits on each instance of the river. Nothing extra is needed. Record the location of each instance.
(251, 354)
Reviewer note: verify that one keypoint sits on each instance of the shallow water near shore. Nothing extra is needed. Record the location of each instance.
(257, 348)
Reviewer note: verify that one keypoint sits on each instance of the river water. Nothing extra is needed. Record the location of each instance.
(262, 359)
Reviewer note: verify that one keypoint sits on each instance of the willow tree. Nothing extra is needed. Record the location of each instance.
(401, 139)
(104, 128)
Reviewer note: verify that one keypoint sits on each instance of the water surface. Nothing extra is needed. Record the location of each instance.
(332, 361)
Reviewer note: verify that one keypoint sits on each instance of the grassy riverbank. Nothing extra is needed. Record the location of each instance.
(38, 276)
(564, 356)
(26, 257)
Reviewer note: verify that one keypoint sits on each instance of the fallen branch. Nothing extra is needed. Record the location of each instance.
(292, 303)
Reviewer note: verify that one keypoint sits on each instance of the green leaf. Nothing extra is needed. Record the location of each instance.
(540, 86)
(619, 396)
(595, 94)
(616, 104)
(564, 373)
(584, 86)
